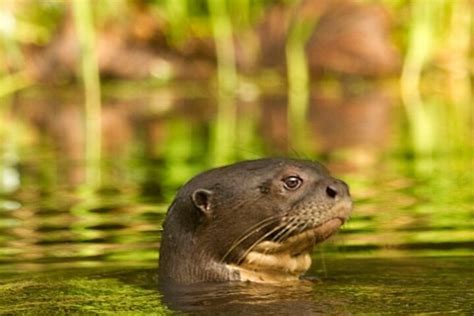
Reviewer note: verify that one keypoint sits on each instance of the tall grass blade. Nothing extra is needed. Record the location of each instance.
(224, 132)
(90, 76)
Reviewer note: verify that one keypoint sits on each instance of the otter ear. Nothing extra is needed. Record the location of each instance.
(202, 199)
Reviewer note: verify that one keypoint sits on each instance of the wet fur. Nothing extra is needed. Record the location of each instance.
(243, 208)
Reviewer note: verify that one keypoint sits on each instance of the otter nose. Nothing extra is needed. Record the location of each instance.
(337, 189)
(331, 191)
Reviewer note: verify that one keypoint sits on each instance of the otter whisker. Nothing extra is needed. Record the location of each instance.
(289, 231)
(288, 225)
(249, 232)
(252, 246)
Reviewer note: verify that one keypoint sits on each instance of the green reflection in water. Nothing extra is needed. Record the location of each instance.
(183, 154)
(250, 143)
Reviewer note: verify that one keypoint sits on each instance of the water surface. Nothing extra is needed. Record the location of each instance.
(66, 246)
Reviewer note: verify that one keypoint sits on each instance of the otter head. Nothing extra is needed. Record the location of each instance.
(255, 220)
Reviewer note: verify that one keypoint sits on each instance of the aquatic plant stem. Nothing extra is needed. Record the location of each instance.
(178, 18)
(421, 44)
(298, 83)
(223, 136)
(90, 76)
(13, 78)
(459, 43)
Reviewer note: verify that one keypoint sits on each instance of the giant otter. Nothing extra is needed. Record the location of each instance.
(251, 221)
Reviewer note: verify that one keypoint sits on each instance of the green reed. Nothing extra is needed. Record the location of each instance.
(90, 76)
(298, 83)
(460, 42)
(177, 13)
(434, 28)
(15, 79)
(12, 79)
(224, 131)
(438, 28)
(421, 43)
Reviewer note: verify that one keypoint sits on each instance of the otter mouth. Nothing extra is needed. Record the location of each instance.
(270, 261)
(285, 260)
(303, 241)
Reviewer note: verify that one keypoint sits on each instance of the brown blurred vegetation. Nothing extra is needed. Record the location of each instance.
(350, 39)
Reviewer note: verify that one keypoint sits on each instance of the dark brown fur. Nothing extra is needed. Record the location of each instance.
(217, 208)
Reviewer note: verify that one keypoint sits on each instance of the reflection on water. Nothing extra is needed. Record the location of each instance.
(410, 239)
(352, 285)
(42, 236)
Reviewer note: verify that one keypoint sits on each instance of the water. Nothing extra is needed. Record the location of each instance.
(348, 285)
(66, 247)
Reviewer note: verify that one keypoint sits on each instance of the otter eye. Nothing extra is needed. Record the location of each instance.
(292, 183)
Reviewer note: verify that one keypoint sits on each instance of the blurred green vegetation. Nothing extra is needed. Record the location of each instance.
(434, 85)
(137, 140)
(90, 76)
(443, 30)
(435, 38)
